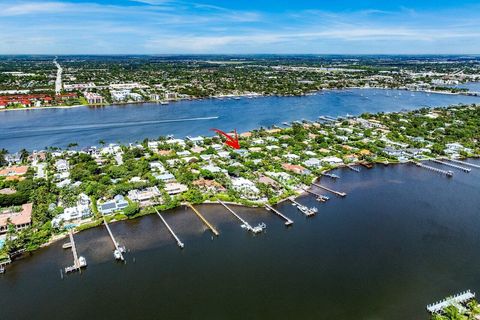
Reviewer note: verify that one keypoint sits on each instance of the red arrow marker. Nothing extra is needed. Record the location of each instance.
(231, 141)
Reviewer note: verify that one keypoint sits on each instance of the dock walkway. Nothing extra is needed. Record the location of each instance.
(288, 221)
(214, 231)
(179, 243)
(456, 166)
(78, 262)
(118, 253)
(448, 173)
(473, 165)
(338, 193)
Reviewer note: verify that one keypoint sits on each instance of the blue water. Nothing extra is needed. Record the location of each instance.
(472, 86)
(37, 129)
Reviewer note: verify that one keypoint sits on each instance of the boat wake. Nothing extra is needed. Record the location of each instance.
(107, 125)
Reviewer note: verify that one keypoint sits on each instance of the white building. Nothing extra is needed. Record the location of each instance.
(80, 211)
(246, 187)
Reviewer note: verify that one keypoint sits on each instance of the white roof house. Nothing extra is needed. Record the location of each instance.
(175, 188)
(246, 187)
(332, 160)
(80, 211)
(313, 162)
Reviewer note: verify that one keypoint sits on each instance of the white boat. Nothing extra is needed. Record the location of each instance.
(117, 254)
(82, 261)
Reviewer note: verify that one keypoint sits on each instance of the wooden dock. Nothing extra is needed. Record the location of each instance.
(214, 231)
(78, 262)
(118, 253)
(288, 221)
(456, 166)
(448, 173)
(473, 165)
(338, 193)
(179, 243)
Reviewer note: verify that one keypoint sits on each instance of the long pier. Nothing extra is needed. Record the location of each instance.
(118, 253)
(457, 300)
(245, 224)
(214, 231)
(179, 243)
(78, 262)
(338, 193)
(465, 163)
(445, 172)
(452, 165)
(288, 221)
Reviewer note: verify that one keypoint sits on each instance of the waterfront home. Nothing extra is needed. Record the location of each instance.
(93, 98)
(173, 188)
(455, 149)
(145, 196)
(393, 152)
(118, 203)
(298, 169)
(332, 160)
(246, 188)
(19, 217)
(268, 181)
(80, 211)
(313, 163)
(14, 172)
(176, 141)
(208, 185)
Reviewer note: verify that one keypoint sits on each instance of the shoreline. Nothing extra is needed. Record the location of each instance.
(298, 193)
(247, 95)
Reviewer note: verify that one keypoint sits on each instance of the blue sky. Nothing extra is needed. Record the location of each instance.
(241, 26)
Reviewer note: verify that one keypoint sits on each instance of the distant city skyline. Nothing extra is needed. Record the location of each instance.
(239, 27)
